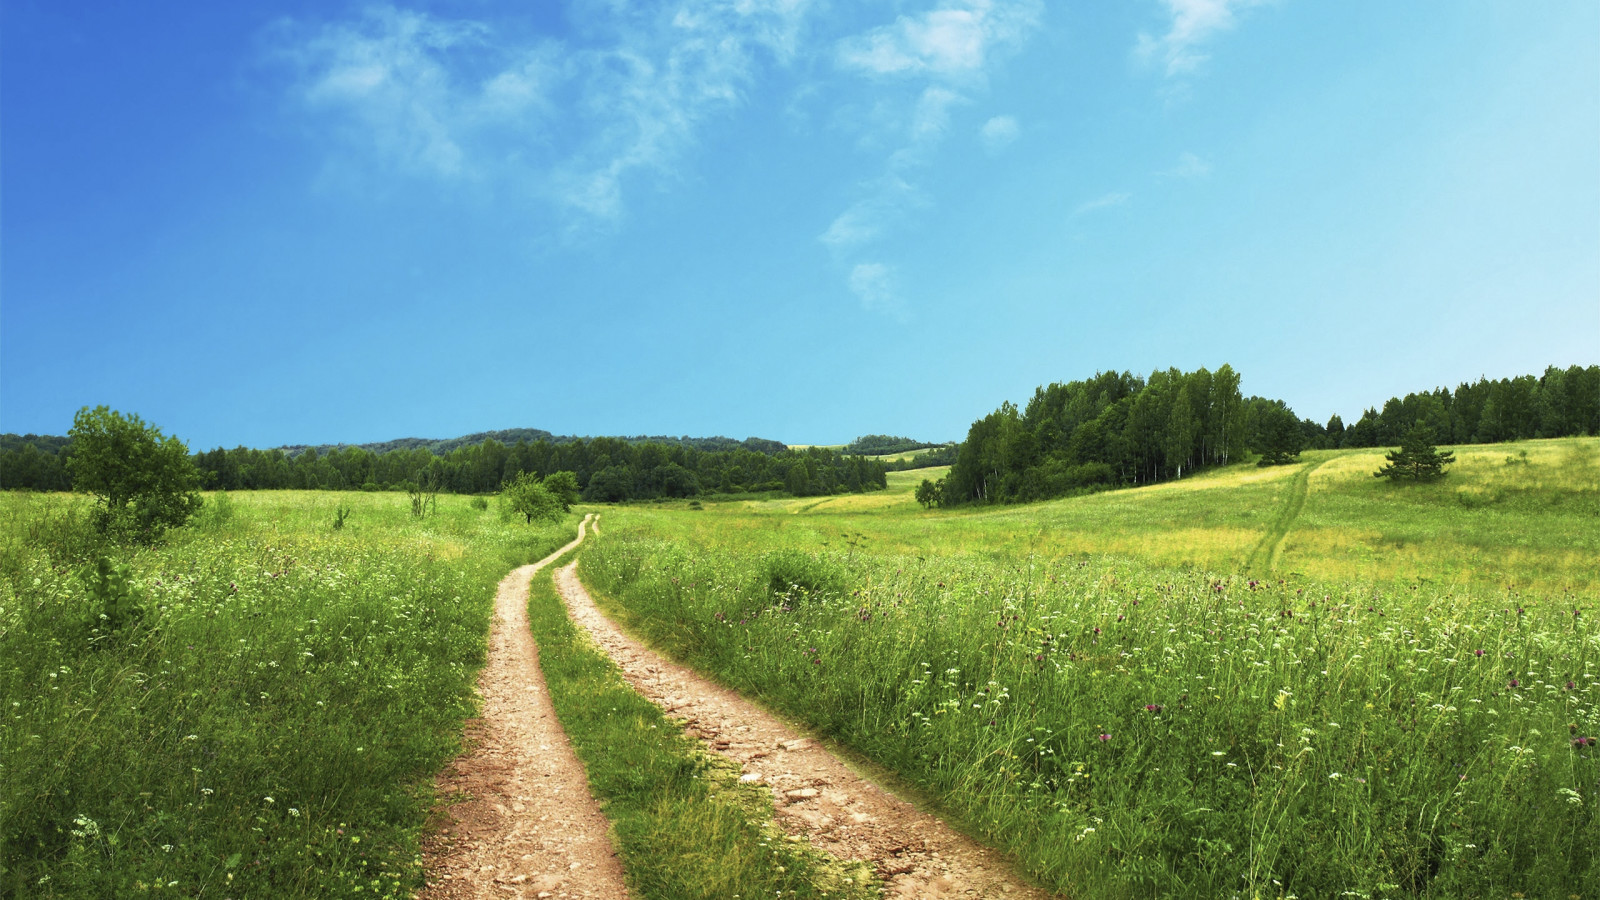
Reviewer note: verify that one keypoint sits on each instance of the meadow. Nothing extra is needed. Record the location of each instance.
(255, 707)
(1287, 682)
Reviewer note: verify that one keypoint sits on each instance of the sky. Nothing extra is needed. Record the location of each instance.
(279, 222)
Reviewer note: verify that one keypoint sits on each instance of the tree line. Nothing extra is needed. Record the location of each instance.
(1119, 429)
(607, 469)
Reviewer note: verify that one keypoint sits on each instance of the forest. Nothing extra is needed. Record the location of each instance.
(1120, 429)
(608, 469)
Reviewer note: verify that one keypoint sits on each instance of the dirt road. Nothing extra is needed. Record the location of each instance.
(817, 795)
(527, 826)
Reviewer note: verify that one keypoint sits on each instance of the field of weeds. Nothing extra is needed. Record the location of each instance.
(1171, 723)
(255, 707)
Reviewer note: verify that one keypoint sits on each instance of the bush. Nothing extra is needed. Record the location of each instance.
(801, 576)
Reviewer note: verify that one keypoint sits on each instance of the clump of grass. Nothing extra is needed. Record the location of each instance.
(685, 825)
(253, 708)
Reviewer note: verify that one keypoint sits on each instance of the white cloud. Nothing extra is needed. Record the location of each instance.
(953, 40)
(999, 133)
(932, 118)
(1189, 166)
(387, 77)
(874, 284)
(456, 98)
(1192, 23)
(1104, 201)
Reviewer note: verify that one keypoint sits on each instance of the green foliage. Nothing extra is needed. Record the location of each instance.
(883, 445)
(928, 493)
(797, 576)
(143, 482)
(1275, 432)
(564, 485)
(1111, 429)
(340, 515)
(480, 503)
(263, 708)
(1417, 459)
(685, 825)
(645, 469)
(112, 602)
(528, 497)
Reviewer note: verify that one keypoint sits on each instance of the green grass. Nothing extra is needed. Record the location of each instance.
(1112, 689)
(685, 826)
(268, 718)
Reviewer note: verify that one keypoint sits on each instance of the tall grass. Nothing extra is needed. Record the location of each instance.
(1134, 729)
(260, 711)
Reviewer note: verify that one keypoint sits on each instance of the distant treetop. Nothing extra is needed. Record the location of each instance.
(882, 444)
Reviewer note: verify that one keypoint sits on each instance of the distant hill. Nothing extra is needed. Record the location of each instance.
(534, 435)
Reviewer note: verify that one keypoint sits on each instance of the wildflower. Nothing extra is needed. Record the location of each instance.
(1104, 738)
(1569, 685)
(1583, 742)
(1477, 653)
(1514, 683)
(1152, 707)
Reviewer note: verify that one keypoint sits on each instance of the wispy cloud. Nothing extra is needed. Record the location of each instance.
(1189, 166)
(944, 54)
(1104, 201)
(1191, 24)
(387, 80)
(875, 285)
(953, 40)
(459, 99)
(999, 133)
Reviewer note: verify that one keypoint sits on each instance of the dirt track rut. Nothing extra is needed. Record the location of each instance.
(816, 794)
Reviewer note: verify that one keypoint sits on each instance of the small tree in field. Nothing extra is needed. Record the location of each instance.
(142, 481)
(565, 486)
(928, 493)
(527, 496)
(1417, 459)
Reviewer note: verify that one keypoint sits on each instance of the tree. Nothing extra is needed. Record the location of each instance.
(928, 493)
(1417, 459)
(565, 486)
(1278, 436)
(527, 496)
(143, 482)
(609, 485)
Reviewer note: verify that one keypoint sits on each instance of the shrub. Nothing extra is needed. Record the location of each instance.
(800, 576)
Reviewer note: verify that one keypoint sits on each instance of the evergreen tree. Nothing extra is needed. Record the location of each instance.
(1417, 459)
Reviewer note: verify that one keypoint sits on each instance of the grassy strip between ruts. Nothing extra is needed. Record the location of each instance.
(685, 826)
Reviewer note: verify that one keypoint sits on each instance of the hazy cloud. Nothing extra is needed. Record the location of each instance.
(998, 133)
(952, 40)
(1192, 23)
(1104, 201)
(456, 98)
(945, 51)
(874, 284)
(1189, 166)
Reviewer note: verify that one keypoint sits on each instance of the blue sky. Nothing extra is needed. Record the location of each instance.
(274, 223)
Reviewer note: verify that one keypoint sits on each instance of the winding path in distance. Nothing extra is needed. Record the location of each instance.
(816, 794)
(528, 827)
